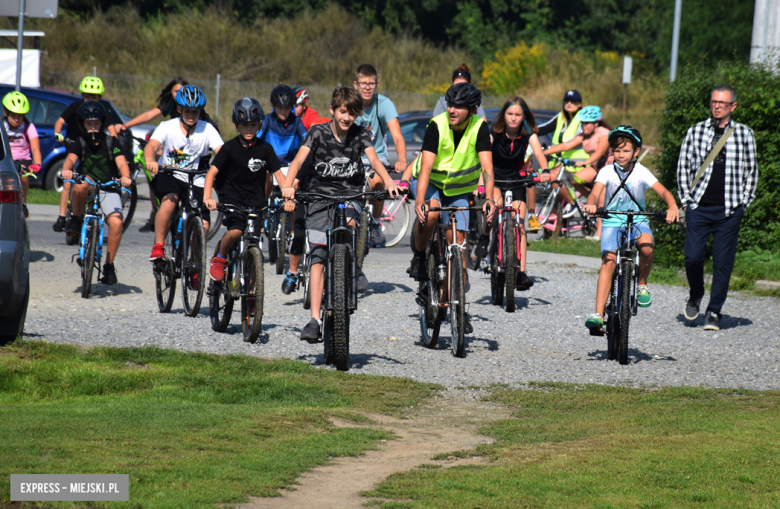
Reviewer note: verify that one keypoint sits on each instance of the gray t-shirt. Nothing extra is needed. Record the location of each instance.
(441, 107)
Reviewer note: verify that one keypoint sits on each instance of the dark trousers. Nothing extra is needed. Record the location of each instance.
(701, 222)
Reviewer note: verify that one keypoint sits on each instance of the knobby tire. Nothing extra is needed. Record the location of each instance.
(362, 237)
(342, 284)
(510, 259)
(431, 315)
(625, 309)
(457, 301)
(90, 253)
(129, 201)
(281, 246)
(496, 277)
(193, 265)
(252, 294)
(165, 274)
(220, 299)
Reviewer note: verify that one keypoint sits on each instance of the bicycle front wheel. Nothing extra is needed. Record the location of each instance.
(221, 298)
(129, 201)
(496, 276)
(625, 309)
(396, 225)
(193, 265)
(362, 236)
(216, 219)
(306, 279)
(612, 325)
(252, 294)
(165, 275)
(342, 286)
(457, 301)
(510, 259)
(281, 245)
(90, 253)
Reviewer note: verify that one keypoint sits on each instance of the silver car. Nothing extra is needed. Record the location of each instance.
(14, 249)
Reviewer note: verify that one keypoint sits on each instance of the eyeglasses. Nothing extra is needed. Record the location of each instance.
(367, 84)
(720, 103)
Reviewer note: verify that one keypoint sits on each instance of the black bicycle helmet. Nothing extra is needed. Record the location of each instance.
(282, 95)
(463, 94)
(247, 109)
(626, 131)
(92, 110)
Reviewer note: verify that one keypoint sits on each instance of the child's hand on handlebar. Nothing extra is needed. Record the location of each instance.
(67, 174)
(392, 188)
(210, 204)
(590, 209)
(35, 168)
(153, 167)
(59, 137)
(125, 182)
(289, 206)
(672, 215)
(288, 193)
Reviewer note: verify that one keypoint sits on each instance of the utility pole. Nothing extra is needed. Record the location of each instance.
(20, 46)
(675, 39)
(765, 45)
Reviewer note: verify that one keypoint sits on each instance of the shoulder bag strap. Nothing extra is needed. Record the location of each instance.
(711, 156)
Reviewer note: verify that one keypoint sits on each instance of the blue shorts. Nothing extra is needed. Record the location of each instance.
(610, 236)
(461, 200)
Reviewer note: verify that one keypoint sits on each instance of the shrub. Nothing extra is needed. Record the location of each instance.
(757, 102)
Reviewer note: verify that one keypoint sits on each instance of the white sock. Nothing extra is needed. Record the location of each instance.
(376, 220)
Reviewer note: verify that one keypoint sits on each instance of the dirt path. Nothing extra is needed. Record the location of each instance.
(445, 424)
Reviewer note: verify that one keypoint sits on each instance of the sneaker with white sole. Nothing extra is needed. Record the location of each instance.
(712, 321)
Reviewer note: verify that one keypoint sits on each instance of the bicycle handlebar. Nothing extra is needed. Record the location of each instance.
(221, 207)
(172, 169)
(80, 179)
(655, 214)
(310, 196)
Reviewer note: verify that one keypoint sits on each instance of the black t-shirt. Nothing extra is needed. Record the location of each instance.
(243, 171)
(715, 194)
(96, 162)
(431, 139)
(71, 117)
(336, 167)
(508, 155)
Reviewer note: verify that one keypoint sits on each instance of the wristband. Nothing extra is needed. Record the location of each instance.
(490, 199)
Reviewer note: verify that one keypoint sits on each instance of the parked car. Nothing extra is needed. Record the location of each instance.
(14, 248)
(414, 123)
(46, 106)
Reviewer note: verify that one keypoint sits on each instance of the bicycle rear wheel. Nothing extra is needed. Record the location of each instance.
(129, 201)
(273, 227)
(342, 285)
(165, 274)
(496, 278)
(510, 260)
(395, 228)
(625, 309)
(193, 265)
(216, 219)
(362, 237)
(90, 253)
(220, 298)
(252, 294)
(281, 245)
(612, 325)
(431, 315)
(306, 280)
(457, 301)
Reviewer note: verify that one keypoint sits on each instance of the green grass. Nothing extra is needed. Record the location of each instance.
(41, 196)
(610, 447)
(191, 430)
(564, 245)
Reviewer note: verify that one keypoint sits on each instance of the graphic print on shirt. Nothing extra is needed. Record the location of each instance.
(255, 165)
(180, 159)
(338, 167)
(97, 166)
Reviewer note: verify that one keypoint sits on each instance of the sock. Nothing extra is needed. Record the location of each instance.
(319, 321)
(220, 256)
(376, 220)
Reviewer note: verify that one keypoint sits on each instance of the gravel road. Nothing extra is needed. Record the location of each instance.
(544, 340)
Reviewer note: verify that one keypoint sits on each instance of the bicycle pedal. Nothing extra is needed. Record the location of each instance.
(596, 332)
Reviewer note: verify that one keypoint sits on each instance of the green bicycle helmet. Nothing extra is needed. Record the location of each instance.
(16, 102)
(92, 85)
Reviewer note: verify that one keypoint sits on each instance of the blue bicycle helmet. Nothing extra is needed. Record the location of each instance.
(590, 114)
(191, 97)
(626, 131)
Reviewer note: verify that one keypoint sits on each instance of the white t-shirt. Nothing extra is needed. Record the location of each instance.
(185, 152)
(640, 179)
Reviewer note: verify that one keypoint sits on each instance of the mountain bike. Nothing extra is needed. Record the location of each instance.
(476, 227)
(244, 279)
(504, 247)
(340, 288)
(276, 228)
(185, 253)
(622, 302)
(445, 288)
(550, 213)
(394, 221)
(304, 274)
(93, 232)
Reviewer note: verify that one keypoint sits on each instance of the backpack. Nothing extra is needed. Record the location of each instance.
(108, 144)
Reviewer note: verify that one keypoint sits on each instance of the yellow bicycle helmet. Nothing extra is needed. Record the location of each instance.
(92, 85)
(16, 102)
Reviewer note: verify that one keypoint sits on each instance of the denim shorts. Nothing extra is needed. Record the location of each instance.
(461, 200)
(610, 236)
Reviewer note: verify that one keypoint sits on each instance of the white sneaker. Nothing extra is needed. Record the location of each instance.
(568, 210)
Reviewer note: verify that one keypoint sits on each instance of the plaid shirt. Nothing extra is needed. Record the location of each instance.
(741, 165)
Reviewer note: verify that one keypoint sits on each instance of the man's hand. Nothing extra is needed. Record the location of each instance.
(288, 193)
(672, 215)
(579, 164)
(125, 182)
(590, 209)
(210, 204)
(418, 210)
(489, 209)
(153, 167)
(67, 174)
(400, 166)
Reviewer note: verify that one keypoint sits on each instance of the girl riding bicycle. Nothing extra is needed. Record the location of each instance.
(22, 138)
(625, 182)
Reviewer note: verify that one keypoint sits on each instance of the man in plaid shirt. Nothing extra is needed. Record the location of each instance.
(716, 204)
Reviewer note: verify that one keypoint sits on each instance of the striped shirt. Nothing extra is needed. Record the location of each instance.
(741, 165)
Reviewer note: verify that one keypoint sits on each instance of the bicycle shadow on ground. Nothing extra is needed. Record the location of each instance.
(101, 290)
(234, 329)
(383, 287)
(726, 322)
(38, 256)
(635, 356)
(356, 361)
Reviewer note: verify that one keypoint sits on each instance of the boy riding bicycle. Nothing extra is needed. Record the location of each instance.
(22, 139)
(242, 171)
(456, 145)
(102, 161)
(625, 182)
(185, 141)
(336, 169)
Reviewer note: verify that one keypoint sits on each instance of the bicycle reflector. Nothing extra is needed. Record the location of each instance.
(9, 189)
(194, 203)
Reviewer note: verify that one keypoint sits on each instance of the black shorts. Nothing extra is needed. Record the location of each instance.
(237, 221)
(164, 185)
(299, 231)
(518, 192)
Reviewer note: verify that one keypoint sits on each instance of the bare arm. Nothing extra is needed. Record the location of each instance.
(209, 202)
(288, 188)
(149, 152)
(35, 150)
(422, 182)
(486, 161)
(673, 213)
(380, 170)
(563, 147)
(400, 144)
(58, 125)
(143, 118)
(67, 166)
(538, 152)
(602, 148)
(593, 199)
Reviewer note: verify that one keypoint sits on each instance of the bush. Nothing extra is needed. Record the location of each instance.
(686, 105)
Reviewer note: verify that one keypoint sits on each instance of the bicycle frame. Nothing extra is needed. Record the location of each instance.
(245, 241)
(183, 212)
(565, 180)
(442, 250)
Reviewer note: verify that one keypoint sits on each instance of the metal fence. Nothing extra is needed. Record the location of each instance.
(135, 94)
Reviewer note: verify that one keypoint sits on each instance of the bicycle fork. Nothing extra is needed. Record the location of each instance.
(336, 235)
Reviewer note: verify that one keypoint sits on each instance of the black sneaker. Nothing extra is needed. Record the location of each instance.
(26, 212)
(290, 283)
(482, 245)
(712, 321)
(59, 224)
(692, 309)
(109, 274)
(74, 225)
(362, 280)
(311, 332)
(523, 282)
(467, 328)
(417, 270)
(377, 236)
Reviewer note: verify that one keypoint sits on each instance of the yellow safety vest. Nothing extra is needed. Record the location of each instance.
(455, 171)
(569, 133)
